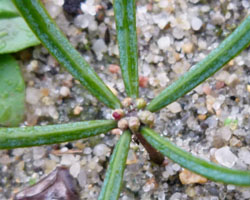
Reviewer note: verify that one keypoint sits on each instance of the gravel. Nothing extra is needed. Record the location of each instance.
(211, 122)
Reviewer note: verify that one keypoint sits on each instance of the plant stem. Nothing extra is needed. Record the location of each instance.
(154, 155)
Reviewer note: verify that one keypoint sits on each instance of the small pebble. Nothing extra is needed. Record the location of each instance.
(77, 110)
(67, 159)
(88, 7)
(194, 1)
(231, 187)
(202, 117)
(174, 107)
(245, 194)
(33, 95)
(210, 100)
(101, 150)
(45, 92)
(219, 85)
(190, 191)
(248, 88)
(222, 76)
(100, 16)
(75, 169)
(38, 153)
(49, 165)
(164, 43)
(81, 21)
(207, 89)
(33, 66)
(235, 142)
(5, 160)
(64, 91)
(114, 69)
(196, 23)
(217, 18)
(59, 2)
(176, 167)
(131, 159)
(178, 33)
(53, 10)
(188, 177)
(232, 79)
(99, 47)
(82, 178)
(163, 79)
(180, 68)
(188, 47)
(87, 150)
(244, 155)
(143, 81)
(79, 145)
(225, 133)
(246, 4)
(225, 157)
(176, 196)
(150, 185)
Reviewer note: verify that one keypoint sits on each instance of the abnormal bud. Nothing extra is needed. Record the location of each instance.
(140, 103)
(134, 124)
(122, 124)
(118, 114)
(146, 117)
(127, 102)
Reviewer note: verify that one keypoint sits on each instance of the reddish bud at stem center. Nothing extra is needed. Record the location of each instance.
(116, 115)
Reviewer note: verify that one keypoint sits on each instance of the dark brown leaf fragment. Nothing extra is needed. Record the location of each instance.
(58, 185)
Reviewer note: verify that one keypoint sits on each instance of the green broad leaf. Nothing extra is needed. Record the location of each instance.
(127, 41)
(52, 134)
(12, 92)
(15, 35)
(226, 51)
(114, 175)
(207, 169)
(7, 9)
(53, 39)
